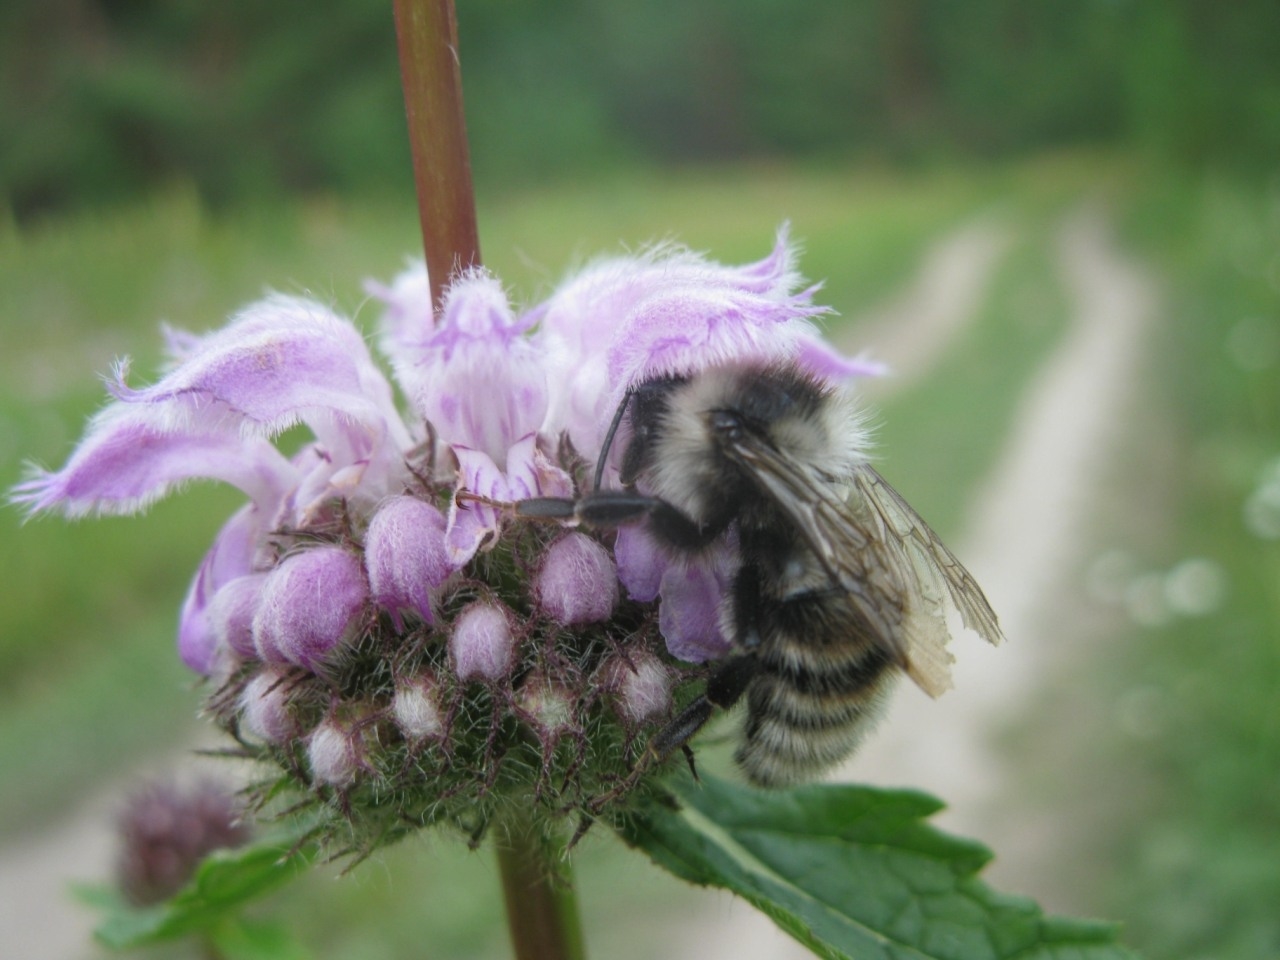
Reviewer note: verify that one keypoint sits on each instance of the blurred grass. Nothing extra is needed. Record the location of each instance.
(90, 680)
(1197, 865)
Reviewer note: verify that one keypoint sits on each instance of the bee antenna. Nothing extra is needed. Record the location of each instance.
(608, 437)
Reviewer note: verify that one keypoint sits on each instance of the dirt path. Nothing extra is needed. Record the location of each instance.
(1024, 542)
(916, 329)
(39, 920)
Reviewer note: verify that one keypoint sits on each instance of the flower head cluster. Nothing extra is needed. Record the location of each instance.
(407, 654)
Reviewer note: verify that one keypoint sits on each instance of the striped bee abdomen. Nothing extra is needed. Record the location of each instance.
(808, 706)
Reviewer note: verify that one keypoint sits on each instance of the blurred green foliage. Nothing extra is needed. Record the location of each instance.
(1196, 862)
(105, 98)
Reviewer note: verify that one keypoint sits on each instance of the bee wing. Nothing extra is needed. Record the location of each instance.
(849, 547)
(898, 574)
(939, 576)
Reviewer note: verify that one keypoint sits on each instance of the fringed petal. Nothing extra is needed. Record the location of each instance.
(126, 462)
(281, 361)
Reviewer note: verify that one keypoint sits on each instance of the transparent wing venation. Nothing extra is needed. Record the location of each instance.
(898, 574)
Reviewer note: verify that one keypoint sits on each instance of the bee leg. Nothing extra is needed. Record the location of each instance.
(614, 508)
(725, 687)
(546, 508)
(604, 508)
(750, 607)
(688, 758)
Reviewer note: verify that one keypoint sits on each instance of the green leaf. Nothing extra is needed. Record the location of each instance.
(854, 872)
(225, 881)
(246, 940)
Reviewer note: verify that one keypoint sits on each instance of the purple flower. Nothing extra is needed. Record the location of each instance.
(671, 312)
(167, 830)
(376, 608)
(692, 590)
(482, 385)
(280, 362)
(496, 389)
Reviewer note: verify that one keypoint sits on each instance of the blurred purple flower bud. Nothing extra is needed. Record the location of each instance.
(264, 708)
(166, 831)
(416, 706)
(578, 582)
(482, 644)
(406, 557)
(230, 614)
(642, 687)
(336, 753)
(309, 604)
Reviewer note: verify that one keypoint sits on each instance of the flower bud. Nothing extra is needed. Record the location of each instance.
(264, 708)
(416, 707)
(309, 605)
(482, 645)
(641, 687)
(231, 611)
(337, 753)
(166, 831)
(578, 582)
(405, 555)
(546, 704)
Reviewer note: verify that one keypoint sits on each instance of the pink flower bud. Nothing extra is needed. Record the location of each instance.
(166, 831)
(405, 556)
(642, 687)
(578, 582)
(231, 611)
(548, 705)
(416, 707)
(309, 605)
(264, 708)
(482, 645)
(336, 753)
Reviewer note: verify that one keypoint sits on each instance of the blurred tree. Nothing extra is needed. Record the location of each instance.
(102, 99)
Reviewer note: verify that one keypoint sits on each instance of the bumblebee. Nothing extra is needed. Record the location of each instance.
(842, 586)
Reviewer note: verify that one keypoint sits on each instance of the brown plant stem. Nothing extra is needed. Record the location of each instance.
(430, 72)
(542, 908)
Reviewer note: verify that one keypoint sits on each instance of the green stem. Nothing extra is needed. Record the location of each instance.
(542, 907)
(427, 36)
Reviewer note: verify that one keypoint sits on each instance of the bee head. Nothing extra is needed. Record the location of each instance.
(687, 433)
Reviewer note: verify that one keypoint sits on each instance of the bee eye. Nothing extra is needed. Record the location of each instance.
(726, 424)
